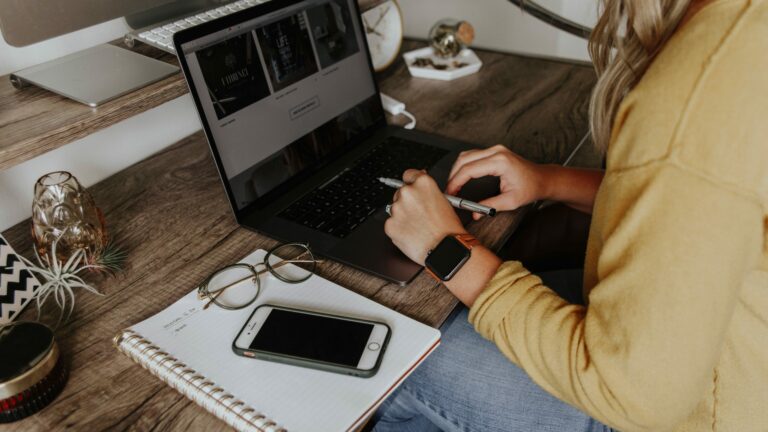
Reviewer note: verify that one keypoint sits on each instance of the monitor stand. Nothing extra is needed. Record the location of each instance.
(95, 75)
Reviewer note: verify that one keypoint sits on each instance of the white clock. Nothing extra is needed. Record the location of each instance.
(384, 31)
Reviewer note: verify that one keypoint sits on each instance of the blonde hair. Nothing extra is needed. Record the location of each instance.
(625, 40)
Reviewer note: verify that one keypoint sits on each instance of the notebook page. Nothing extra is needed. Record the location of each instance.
(297, 398)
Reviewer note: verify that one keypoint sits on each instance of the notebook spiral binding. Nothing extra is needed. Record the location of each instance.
(193, 385)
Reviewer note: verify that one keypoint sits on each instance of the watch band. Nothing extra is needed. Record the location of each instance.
(468, 240)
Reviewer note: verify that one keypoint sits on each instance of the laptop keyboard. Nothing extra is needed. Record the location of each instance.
(342, 204)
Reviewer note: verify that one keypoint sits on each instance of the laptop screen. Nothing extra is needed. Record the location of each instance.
(283, 93)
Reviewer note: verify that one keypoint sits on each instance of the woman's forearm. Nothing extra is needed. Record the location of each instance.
(574, 187)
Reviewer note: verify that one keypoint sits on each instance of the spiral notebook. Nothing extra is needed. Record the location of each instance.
(190, 349)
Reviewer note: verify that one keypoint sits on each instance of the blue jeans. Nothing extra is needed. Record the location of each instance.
(468, 385)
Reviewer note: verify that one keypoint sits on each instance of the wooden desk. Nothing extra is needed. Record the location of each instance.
(170, 213)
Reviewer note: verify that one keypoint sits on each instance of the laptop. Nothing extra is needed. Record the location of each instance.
(286, 95)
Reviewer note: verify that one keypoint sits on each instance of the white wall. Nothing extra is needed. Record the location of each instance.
(498, 24)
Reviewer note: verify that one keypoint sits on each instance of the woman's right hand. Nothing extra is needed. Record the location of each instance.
(521, 181)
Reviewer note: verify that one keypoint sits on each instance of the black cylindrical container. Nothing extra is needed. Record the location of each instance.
(31, 370)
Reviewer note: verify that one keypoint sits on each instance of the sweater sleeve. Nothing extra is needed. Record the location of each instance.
(643, 353)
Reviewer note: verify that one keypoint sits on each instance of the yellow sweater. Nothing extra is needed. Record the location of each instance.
(675, 336)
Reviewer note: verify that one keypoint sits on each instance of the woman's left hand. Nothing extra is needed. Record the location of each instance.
(421, 216)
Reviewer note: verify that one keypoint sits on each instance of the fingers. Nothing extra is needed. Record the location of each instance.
(417, 182)
(411, 175)
(473, 155)
(479, 168)
(395, 196)
(499, 202)
(389, 228)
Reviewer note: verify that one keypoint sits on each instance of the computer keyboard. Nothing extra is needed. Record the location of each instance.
(161, 35)
(343, 203)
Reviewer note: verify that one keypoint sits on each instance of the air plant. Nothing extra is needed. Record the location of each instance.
(62, 278)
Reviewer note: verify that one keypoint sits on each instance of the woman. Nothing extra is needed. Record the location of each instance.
(674, 333)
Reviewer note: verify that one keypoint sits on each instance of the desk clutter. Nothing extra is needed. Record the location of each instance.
(424, 63)
(70, 237)
(190, 348)
(448, 56)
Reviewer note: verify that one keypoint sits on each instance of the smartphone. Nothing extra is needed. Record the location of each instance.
(316, 340)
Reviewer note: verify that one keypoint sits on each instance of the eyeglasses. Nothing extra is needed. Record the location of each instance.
(238, 285)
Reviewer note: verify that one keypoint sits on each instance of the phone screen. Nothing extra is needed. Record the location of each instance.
(313, 337)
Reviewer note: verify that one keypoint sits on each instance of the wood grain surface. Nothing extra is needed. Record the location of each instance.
(170, 213)
(34, 121)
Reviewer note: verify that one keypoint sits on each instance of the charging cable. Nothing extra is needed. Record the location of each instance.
(395, 107)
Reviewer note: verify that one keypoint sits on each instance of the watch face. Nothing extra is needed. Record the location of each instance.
(447, 258)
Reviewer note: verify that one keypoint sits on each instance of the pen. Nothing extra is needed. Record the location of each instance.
(455, 201)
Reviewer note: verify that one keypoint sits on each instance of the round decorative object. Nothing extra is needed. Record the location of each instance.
(63, 211)
(32, 373)
(448, 37)
(384, 32)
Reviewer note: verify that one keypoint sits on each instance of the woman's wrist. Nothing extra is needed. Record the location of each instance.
(437, 239)
(546, 181)
(575, 187)
(474, 276)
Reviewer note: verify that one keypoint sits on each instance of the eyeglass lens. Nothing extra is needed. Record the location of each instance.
(234, 287)
(291, 263)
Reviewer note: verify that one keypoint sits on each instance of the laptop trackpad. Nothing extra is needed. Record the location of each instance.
(369, 248)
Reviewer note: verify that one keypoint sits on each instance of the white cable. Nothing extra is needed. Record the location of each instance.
(395, 107)
(412, 124)
(576, 150)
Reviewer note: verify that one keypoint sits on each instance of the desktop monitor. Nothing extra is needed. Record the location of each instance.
(24, 22)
